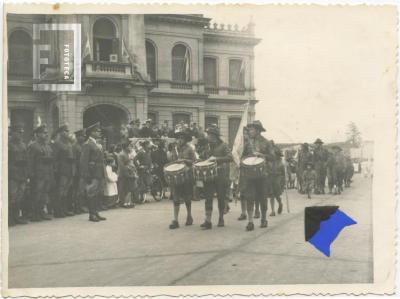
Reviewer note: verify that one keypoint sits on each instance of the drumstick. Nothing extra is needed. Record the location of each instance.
(287, 202)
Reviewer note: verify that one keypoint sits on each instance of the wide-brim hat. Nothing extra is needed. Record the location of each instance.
(92, 128)
(318, 141)
(63, 128)
(17, 128)
(256, 124)
(80, 132)
(186, 136)
(337, 148)
(213, 130)
(40, 129)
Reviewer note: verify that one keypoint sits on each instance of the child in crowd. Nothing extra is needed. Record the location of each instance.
(111, 178)
(309, 177)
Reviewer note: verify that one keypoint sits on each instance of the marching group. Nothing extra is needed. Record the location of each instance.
(70, 174)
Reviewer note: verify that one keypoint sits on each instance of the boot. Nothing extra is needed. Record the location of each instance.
(93, 218)
(206, 225)
(264, 223)
(189, 221)
(100, 217)
(250, 226)
(221, 222)
(242, 217)
(174, 225)
(280, 208)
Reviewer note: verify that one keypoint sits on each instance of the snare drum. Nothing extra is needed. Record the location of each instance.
(205, 171)
(252, 167)
(176, 173)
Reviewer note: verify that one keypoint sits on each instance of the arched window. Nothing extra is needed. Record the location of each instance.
(180, 64)
(210, 121)
(151, 61)
(180, 117)
(20, 54)
(105, 40)
(236, 73)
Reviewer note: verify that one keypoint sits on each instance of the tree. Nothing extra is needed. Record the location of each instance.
(353, 135)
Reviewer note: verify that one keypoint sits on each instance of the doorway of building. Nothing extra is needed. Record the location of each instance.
(23, 117)
(110, 117)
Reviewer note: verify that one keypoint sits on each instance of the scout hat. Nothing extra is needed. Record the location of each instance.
(256, 124)
(18, 127)
(180, 132)
(63, 128)
(214, 130)
(80, 132)
(92, 128)
(40, 129)
(318, 141)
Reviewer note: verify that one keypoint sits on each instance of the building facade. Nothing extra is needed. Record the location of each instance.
(164, 67)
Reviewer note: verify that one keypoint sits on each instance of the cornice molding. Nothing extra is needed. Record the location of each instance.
(179, 19)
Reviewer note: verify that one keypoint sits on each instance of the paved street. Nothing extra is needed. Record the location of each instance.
(135, 247)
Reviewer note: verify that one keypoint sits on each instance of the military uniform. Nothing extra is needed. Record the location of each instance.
(77, 183)
(320, 159)
(92, 172)
(17, 178)
(41, 173)
(258, 189)
(220, 150)
(64, 173)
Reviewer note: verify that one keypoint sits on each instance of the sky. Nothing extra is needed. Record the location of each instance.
(319, 68)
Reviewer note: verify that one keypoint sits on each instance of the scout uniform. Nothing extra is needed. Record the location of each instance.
(184, 192)
(64, 172)
(92, 171)
(304, 157)
(258, 188)
(277, 177)
(17, 175)
(222, 154)
(320, 158)
(41, 173)
(309, 178)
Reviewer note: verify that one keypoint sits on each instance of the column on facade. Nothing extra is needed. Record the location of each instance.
(141, 108)
(201, 66)
(136, 42)
(201, 119)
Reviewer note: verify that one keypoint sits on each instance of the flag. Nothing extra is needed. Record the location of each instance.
(187, 65)
(125, 53)
(323, 224)
(87, 51)
(237, 148)
(242, 72)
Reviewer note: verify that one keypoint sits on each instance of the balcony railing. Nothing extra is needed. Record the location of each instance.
(181, 85)
(236, 91)
(211, 90)
(106, 69)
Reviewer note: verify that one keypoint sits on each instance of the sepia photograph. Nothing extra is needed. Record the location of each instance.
(199, 146)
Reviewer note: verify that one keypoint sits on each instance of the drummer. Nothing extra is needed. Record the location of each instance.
(220, 153)
(257, 189)
(184, 192)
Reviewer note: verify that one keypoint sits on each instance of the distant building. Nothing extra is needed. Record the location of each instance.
(164, 67)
